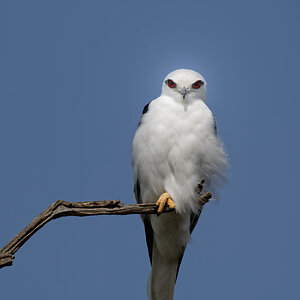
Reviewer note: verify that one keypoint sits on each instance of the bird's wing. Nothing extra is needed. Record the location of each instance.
(193, 220)
(146, 220)
(137, 193)
(149, 236)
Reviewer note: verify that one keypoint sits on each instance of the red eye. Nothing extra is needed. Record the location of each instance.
(170, 83)
(197, 84)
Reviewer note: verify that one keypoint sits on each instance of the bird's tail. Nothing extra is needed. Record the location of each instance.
(161, 282)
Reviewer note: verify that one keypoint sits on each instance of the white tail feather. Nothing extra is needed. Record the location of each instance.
(161, 282)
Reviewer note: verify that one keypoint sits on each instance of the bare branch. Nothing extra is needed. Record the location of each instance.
(61, 208)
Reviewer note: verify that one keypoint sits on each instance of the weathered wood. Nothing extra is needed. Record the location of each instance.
(61, 208)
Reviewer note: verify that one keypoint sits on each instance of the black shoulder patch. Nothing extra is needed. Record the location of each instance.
(146, 108)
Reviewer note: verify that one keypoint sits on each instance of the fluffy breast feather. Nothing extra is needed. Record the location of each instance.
(174, 147)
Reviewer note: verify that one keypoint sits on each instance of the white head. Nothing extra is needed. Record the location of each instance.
(184, 85)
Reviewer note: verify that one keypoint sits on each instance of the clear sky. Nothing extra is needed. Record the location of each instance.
(74, 78)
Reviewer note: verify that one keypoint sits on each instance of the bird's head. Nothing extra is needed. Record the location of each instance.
(184, 85)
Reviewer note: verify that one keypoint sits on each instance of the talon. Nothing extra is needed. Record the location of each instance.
(164, 199)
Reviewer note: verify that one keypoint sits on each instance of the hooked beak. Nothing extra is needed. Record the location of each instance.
(184, 91)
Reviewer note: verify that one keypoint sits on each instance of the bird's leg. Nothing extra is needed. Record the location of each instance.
(164, 199)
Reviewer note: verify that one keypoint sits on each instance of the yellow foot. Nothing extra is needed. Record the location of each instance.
(164, 199)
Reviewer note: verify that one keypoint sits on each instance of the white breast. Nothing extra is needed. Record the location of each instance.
(174, 147)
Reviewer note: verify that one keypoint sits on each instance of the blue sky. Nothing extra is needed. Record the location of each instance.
(74, 77)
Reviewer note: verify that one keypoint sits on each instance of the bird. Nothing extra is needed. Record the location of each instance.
(174, 147)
